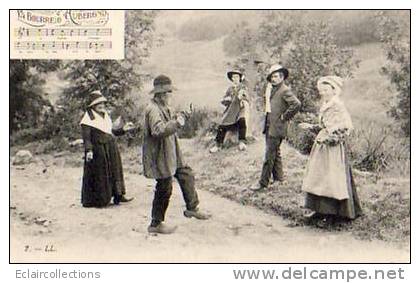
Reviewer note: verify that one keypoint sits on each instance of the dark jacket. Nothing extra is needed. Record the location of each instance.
(284, 105)
(161, 152)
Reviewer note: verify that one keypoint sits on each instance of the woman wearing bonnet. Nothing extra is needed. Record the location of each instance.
(329, 181)
(103, 177)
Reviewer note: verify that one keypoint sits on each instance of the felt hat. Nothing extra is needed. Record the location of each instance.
(237, 72)
(162, 84)
(96, 97)
(277, 68)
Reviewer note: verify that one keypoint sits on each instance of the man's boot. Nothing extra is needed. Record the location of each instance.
(258, 187)
(215, 149)
(162, 228)
(196, 214)
(242, 146)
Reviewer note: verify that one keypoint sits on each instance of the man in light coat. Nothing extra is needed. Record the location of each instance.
(280, 106)
(162, 158)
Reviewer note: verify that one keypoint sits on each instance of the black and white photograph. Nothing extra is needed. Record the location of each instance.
(210, 136)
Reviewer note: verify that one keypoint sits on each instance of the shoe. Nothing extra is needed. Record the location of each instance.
(162, 229)
(258, 188)
(242, 146)
(214, 149)
(280, 182)
(311, 215)
(124, 199)
(196, 214)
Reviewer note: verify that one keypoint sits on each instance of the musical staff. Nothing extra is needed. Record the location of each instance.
(62, 45)
(95, 37)
(41, 32)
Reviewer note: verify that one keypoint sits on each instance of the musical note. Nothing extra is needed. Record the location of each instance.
(63, 45)
(91, 39)
(30, 32)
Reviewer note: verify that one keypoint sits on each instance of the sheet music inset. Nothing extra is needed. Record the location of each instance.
(66, 34)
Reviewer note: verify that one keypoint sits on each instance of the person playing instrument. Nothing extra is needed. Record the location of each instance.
(236, 112)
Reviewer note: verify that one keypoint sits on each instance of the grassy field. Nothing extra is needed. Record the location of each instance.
(230, 173)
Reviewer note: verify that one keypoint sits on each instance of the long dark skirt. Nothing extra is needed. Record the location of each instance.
(349, 208)
(103, 176)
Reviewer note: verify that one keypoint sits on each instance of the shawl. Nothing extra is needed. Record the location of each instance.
(103, 124)
(335, 117)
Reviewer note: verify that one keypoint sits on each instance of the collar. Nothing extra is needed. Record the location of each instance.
(102, 123)
(163, 108)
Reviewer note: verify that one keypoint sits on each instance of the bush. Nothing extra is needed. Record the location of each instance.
(198, 122)
(374, 148)
(25, 136)
(314, 54)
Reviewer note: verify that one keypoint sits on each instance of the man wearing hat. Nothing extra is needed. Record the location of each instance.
(280, 106)
(236, 113)
(162, 158)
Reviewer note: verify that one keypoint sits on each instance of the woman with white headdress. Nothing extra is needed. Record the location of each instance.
(103, 177)
(329, 181)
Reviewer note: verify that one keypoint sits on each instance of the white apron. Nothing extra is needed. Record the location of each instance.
(326, 172)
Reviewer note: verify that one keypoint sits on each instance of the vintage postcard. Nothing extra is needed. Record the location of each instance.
(203, 136)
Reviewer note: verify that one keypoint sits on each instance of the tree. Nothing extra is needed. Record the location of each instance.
(116, 79)
(395, 36)
(26, 93)
(307, 48)
(313, 54)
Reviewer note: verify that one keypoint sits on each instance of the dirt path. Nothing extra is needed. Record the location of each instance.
(45, 211)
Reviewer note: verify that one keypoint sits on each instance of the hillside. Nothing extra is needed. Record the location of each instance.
(367, 95)
(196, 68)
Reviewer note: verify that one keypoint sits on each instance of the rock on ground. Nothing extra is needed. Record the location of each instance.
(22, 157)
